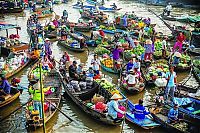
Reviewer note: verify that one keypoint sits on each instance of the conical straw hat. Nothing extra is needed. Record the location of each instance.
(116, 96)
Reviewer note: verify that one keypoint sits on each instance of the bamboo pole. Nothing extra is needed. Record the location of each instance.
(42, 102)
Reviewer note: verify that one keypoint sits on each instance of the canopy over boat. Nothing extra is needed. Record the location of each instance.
(5, 26)
(191, 19)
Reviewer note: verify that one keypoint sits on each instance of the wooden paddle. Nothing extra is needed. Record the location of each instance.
(60, 111)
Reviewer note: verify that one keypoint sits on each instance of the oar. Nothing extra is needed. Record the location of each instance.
(15, 110)
(60, 111)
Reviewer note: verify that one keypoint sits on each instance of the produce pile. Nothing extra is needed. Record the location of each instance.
(181, 126)
(36, 73)
(101, 50)
(158, 49)
(196, 63)
(157, 70)
(107, 62)
(184, 61)
(137, 51)
(12, 64)
(108, 86)
(107, 27)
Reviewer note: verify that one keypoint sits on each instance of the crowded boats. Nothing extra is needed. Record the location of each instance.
(127, 46)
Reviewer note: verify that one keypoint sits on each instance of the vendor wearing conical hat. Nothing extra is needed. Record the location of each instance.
(148, 49)
(113, 106)
(176, 58)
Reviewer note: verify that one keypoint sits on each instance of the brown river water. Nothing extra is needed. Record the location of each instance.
(83, 123)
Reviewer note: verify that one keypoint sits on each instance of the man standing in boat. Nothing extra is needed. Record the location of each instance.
(171, 81)
(167, 9)
(95, 64)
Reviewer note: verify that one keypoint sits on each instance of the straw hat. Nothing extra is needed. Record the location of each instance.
(116, 96)
(148, 41)
(177, 54)
(90, 21)
(47, 39)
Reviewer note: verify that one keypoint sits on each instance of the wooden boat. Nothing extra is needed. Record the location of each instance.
(20, 68)
(160, 116)
(80, 27)
(66, 45)
(107, 69)
(14, 94)
(11, 10)
(189, 107)
(78, 36)
(52, 100)
(195, 40)
(147, 123)
(93, 2)
(44, 14)
(101, 8)
(82, 98)
(50, 35)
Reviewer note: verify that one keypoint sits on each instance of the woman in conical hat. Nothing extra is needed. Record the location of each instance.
(113, 106)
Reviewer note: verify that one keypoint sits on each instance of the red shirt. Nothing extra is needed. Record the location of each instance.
(180, 38)
(67, 57)
(102, 33)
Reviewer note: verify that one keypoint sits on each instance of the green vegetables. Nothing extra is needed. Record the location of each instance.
(101, 50)
(139, 50)
(181, 126)
(196, 63)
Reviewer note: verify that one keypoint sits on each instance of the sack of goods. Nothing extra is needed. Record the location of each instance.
(83, 85)
(89, 82)
(97, 98)
(75, 85)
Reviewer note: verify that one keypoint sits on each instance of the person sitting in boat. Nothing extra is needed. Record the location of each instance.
(95, 62)
(35, 54)
(114, 6)
(113, 106)
(73, 71)
(179, 42)
(80, 69)
(36, 96)
(173, 114)
(45, 63)
(129, 65)
(63, 34)
(131, 78)
(5, 88)
(47, 48)
(82, 43)
(176, 58)
(136, 64)
(148, 50)
(90, 72)
(139, 111)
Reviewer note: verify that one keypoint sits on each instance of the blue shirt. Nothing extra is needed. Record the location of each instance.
(129, 66)
(176, 60)
(5, 86)
(140, 112)
(173, 113)
(171, 80)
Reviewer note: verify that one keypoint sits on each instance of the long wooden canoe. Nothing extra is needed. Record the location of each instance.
(82, 98)
(66, 45)
(160, 115)
(11, 10)
(14, 94)
(52, 80)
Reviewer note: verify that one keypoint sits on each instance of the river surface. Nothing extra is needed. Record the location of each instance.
(82, 122)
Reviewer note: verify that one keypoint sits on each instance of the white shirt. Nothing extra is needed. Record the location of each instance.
(168, 8)
(95, 64)
(131, 79)
(96, 34)
(164, 44)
